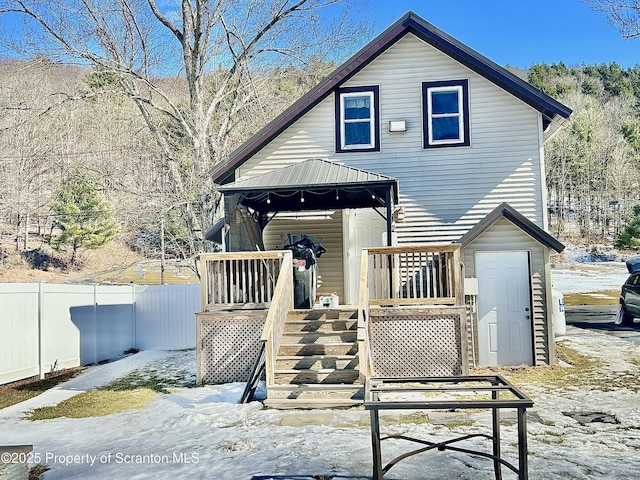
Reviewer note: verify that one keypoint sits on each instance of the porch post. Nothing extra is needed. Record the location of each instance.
(389, 241)
(389, 217)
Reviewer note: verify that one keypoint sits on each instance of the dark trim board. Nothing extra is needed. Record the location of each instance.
(504, 210)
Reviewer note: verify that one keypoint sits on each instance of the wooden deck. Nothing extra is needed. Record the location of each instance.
(320, 358)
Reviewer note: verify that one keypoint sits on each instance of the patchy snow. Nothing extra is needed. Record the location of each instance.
(586, 278)
(201, 433)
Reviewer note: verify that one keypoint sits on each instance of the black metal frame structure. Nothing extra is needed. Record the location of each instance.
(310, 185)
(503, 395)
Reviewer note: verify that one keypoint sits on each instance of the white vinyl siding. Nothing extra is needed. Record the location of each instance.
(505, 236)
(445, 191)
(329, 230)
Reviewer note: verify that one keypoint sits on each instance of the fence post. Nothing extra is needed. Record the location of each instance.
(40, 313)
(95, 324)
(134, 317)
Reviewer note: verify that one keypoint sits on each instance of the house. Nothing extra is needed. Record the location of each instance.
(417, 139)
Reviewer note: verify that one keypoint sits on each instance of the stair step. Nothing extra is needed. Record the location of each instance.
(305, 349)
(325, 375)
(321, 326)
(317, 403)
(341, 336)
(317, 361)
(323, 314)
(306, 391)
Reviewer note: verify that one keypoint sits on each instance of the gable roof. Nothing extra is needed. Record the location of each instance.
(554, 113)
(505, 210)
(324, 184)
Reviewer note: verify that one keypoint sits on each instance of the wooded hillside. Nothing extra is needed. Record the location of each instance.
(593, 164)
(59, 118)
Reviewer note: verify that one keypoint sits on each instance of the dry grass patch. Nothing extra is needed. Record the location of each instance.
(36, 471)
(95, 403)
(579, 371)
(605, 297)
(17, 392)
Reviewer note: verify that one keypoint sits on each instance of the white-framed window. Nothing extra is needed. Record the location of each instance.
(357, 124)
(446, 113)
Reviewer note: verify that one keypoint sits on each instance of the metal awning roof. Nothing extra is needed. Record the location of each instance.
(314, 184)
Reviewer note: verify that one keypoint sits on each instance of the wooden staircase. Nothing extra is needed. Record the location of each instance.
(317, 364)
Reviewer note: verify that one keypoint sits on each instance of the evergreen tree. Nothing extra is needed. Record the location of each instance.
(84, 217)
(630, 236)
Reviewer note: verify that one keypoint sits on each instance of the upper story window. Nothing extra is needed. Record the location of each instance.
(446, 113)
(357, 119)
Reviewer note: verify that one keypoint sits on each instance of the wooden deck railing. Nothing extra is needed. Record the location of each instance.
(415, 275)
(405, 276)
(281, 303)
(239, 279)
(364, 358)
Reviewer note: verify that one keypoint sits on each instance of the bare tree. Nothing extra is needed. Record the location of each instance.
(621, 14)
(40, 145)
(220, 47)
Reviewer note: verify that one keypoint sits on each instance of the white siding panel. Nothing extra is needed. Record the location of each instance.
(445, 190)
(165, 315)
(331, 273)
(505, 236)
(84, 324)
(18, 351)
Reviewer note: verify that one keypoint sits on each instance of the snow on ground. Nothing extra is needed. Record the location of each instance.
(202, 433)
(584, 277)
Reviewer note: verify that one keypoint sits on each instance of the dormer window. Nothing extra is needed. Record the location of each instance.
(446, 113)
(357, 119)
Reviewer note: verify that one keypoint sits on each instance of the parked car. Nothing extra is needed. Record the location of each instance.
(630, 293)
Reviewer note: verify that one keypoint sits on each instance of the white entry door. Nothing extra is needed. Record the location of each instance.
(364, 227)
(504, 308)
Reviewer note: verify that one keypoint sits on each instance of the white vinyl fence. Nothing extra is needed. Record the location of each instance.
(45, 326)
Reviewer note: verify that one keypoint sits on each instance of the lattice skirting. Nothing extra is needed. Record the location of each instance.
(418, 342)
(227, 345)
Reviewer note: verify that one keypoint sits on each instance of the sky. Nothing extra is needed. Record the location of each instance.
(520, 33)
(516, 33)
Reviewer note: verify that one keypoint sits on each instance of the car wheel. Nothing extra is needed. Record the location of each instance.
(627, 319)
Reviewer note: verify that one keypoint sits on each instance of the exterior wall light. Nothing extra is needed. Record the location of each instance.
(397, 126)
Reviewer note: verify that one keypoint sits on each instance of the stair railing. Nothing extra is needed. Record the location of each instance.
(364, 357)
(281, 303)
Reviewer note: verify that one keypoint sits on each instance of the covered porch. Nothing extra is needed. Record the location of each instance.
(314, 198)
(401, 311)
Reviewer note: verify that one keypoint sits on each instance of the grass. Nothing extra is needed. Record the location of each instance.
(36, 471)
(95, 403)
(139, 380)
(578, 373)
(17, 392)
(135, 390)
(606, 297)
